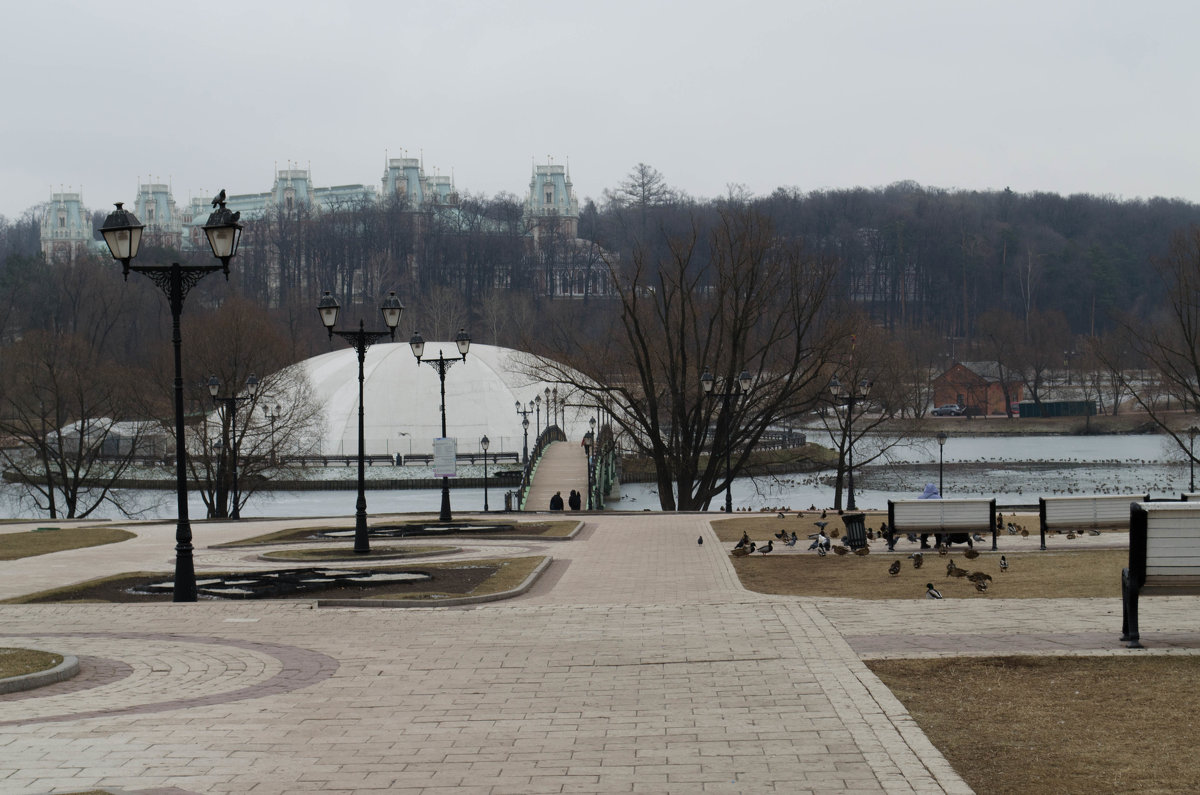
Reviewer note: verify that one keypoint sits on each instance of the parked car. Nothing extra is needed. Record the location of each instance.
(949, 410)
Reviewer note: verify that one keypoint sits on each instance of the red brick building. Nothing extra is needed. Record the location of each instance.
(977, 386)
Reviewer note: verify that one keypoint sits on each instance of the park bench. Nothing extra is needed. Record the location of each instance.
(1164, 558)
(1086, 512)
(943, 517)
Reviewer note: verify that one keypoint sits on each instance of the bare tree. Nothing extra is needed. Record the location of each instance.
(72, 417)
(731, 297)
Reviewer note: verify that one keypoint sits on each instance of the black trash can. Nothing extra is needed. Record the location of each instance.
(856, 530)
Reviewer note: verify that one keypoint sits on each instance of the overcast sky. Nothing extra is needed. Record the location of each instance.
(1096, 97)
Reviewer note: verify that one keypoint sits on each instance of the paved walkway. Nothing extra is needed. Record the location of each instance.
(637, 664)
(562, 467)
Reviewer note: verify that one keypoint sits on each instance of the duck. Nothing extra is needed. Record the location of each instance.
(918, 559)
(821, 552)
(741, 552)
(764, 550)
(971, 554)
(1093, 532)
(894, 569)
(979, 576)
(943, 550)
(931, 592)
(981, 586)
(862, 551)
(1003, 563)
(841, 550)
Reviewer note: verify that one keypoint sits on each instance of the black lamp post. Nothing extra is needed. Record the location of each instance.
(537, 417)
(551, 414)
(123, 234)
(525, 412)
(941, 439)
(483, 443)
(1192, 431)
(442, 364)
(850, 395)
(589, 439)
(741, 387)
(230, 404)
(361, 339)
(272, 415)
(557, 408)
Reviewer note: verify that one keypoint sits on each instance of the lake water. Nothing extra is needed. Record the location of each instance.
(1014, 470)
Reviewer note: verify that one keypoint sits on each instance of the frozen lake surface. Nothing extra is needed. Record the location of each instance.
(1016, 470)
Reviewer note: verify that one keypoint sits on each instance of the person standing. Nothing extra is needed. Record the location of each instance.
(575, 500)
(556, 502)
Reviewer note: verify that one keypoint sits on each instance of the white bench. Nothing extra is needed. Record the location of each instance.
(1086, 512)
(943, 516)
(1164, 558)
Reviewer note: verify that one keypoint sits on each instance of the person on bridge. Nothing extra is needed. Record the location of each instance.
(575, 500)
(556, 502)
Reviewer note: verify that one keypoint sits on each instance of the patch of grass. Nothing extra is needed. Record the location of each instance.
(308, 534)
(346, 552)
(1058, 724)
(451, 579)
(42, 542)
(19, 662)
(1030, 575)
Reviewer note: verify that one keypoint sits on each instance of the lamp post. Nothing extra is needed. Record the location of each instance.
(537, 418)
(941, 440)
(483, 443)
(361, 339)
(850, 395)
(123, 234)
(442, 364)
(736, 390)
(1192, 431)
(589, 439)
(272, 415)
(230, 404)
(559, 407)
(551, 413)
(525, 412)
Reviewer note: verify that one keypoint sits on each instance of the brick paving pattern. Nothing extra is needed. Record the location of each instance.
(638, 663)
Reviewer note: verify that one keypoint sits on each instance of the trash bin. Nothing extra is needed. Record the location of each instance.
(856, 530)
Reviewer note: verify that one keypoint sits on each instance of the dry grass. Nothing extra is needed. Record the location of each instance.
(19, 662)
(1058, 724)
(57, 539)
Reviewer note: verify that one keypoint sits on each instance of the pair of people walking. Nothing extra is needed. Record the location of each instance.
(575, 500)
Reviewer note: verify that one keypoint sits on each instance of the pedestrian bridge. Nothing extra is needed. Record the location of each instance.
(562, 467)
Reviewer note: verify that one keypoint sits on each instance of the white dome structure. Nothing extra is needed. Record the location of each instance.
(402, 400)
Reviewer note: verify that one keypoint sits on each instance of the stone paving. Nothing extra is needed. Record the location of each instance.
(637, 663)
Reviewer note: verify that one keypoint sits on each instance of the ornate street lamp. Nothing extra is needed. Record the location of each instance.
(589, 439)
(850, 394)
(361, 339)
(273, 415)
(230, 404)
(483, 443)
(941, 440)
(525, 412)
(123, 235)
(736, 390)
(442, 364)
(537, 417)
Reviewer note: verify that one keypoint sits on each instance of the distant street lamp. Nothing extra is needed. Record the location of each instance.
(850, 394)
(559, 407)
(525, 412)
(483, 443)
(941, 439)
(361, 340)
(230, 405)
(123, 234)
(589, 440)
(1192, 431)
(442, 364)
(537, 418)
(735, 390)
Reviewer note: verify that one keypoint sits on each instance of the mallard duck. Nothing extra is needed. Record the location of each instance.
(741, 552)
(1093, 532)
(957, 573)
(981, 586)
(764, 550)
(931, 592)
(841, 550)
(918, 559)
(1003, 563)
(971, 554)
(943, 550)
(950, 567)
(1024, 533)
(979, 576)
(894, 569)
(862, 551)
(1071, 536)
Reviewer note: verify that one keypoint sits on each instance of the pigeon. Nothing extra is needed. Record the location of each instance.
(220, 197)
(1003, 563)
(700, 540)
(931, 592)
(894, 569)
(236, 216)
(977, 538)
(821, 524)
(821, 551)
